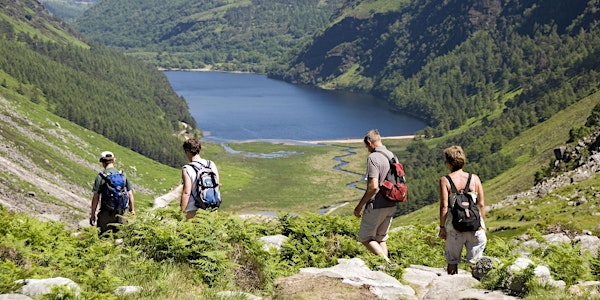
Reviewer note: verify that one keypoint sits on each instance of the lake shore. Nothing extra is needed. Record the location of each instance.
(300, 142)
(205, 69)
(341, 141)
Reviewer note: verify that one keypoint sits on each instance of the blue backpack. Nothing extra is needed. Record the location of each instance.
(115, 196)
(206, 186)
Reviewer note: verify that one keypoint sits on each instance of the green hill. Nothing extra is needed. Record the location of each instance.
(119, 97)
(225, 35)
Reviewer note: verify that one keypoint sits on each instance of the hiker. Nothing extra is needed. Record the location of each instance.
(190, 199)
(475, 239)
(378, 212)
(109, 214)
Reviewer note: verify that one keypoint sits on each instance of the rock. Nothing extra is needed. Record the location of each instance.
(420, 279)
(447, 286)
(37, 287)
(48, 217)
(435, 283)
(273, 241)
(483, 266)
(516, 282)
(127, 290)
(580, 175)
(528, 246)
(354, 272)
(588, 243)
(542, 273)
(305, 286)
(520, 264)
(459, 286)
(556, 238)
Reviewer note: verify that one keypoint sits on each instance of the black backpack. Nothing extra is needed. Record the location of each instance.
(465, 212)
(206, 186)
(115, 196)
(393, 186)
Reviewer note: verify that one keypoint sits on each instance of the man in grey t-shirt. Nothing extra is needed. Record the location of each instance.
(378, 211)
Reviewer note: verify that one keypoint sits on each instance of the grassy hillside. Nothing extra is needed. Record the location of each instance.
(532, 150)
(105, 91)
(224, 35)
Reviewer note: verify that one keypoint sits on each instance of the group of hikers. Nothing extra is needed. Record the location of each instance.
(461, 212)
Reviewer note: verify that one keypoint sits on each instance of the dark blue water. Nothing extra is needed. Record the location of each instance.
(239, 107)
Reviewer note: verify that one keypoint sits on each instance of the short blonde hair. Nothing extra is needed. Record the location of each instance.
(455, 157)
(372, 136)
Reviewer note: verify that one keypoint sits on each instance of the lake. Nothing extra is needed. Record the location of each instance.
(231, 107)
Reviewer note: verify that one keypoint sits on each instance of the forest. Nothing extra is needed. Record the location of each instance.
(225, 35)
(129, 102)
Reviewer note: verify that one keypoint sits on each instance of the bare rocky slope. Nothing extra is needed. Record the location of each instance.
(41, 162)
(26, 185)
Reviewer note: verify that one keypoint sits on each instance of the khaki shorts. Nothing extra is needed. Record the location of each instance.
(375, 223)
(474, 241)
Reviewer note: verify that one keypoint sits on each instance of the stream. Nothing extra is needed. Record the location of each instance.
(339, 167)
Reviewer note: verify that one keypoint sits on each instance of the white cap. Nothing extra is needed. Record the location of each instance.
(106, 155)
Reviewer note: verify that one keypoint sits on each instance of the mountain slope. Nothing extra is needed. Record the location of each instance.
(48, 164)
(127, 101)
(478, 72)
(238, 35)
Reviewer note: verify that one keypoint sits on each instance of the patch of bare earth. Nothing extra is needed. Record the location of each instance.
(309, 287)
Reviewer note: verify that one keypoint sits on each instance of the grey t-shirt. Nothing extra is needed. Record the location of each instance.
(378, 166)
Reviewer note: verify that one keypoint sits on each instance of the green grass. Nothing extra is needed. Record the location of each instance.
(365, 9)
(52, 33)
(217, 12)
(302, 182)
